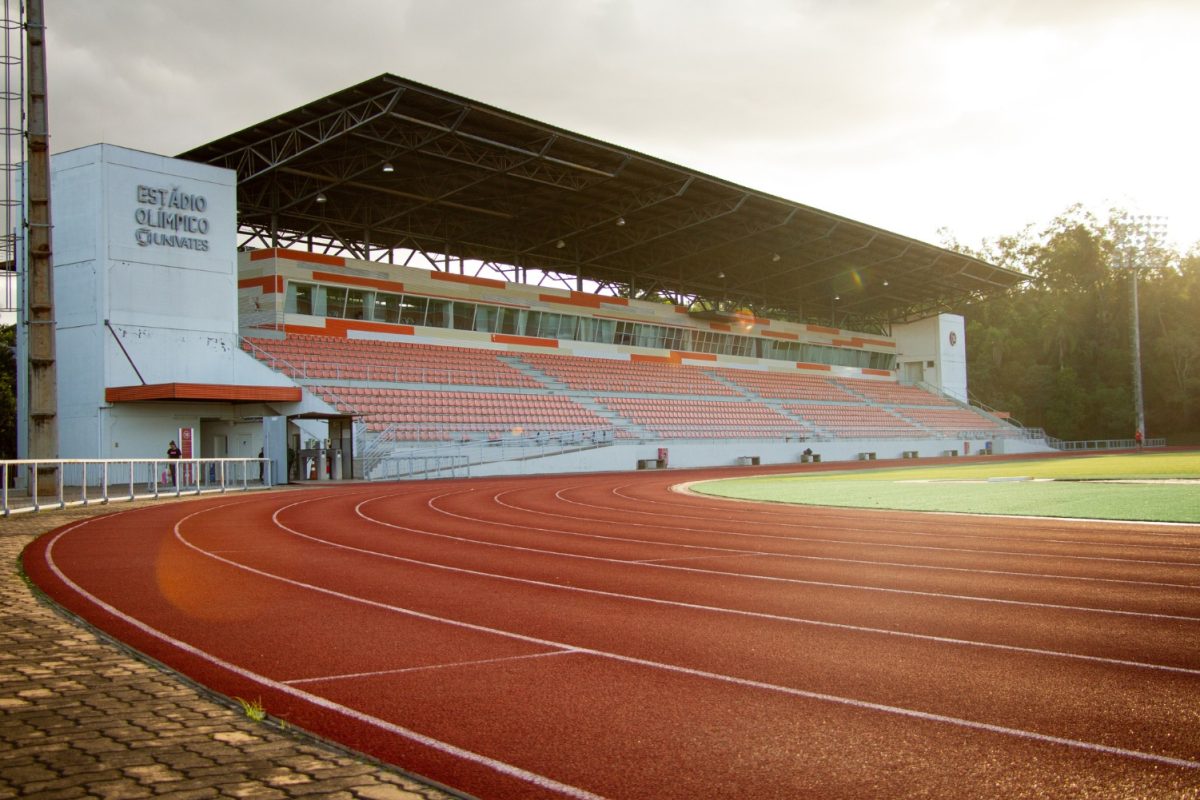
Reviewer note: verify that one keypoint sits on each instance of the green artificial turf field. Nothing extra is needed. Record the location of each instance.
(1071, 486)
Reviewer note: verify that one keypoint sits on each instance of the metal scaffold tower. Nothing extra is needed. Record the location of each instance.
(27, 225)
(13, 98)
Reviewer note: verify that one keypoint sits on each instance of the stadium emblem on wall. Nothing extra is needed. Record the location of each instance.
(953, 338)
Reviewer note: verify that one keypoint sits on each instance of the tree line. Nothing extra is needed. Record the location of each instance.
(1057, 352)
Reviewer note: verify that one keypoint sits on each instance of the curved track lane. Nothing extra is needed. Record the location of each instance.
(606, 636)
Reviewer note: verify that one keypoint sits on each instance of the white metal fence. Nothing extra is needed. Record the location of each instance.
(34, 485)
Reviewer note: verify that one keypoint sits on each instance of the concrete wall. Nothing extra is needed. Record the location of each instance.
(145, 292)
(681, 454)
(934, 350)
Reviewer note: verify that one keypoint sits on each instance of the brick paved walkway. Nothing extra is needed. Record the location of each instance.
(80, 717)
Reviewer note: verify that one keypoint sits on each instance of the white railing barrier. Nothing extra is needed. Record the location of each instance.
(85, 481)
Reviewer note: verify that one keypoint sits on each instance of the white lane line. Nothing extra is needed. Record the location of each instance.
(684, 488)
(1188, 533)
(424, 668)
(715, 609)
(802, 539)
(654, 665)
(850, 542)
(431, 503)
(436, 744)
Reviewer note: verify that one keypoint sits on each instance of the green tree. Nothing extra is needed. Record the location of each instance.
(8, 391)
(1056, 352)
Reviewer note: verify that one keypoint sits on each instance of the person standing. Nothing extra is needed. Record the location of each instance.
(173, 453)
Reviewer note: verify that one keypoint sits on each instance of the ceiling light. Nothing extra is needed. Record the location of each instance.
(620, 221)
(775, 257)
(387, 167)
(321, 198)
(885, 282)
(560, 244)
(837, 297)
(721, 275)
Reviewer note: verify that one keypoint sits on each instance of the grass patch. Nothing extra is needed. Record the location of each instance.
(1077, 488)
(252, 709)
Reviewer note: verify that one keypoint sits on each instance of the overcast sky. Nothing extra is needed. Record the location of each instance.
(979, 116)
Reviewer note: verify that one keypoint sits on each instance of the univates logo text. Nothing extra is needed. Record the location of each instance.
(169, 217)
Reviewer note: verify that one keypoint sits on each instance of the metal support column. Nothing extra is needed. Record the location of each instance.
(43, 384)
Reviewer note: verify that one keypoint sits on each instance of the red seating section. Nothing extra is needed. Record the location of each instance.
(424, 415)
(329, 358)
(948, 420)
(893, 394)
(662, 399)
(781, 386)
(606, 374)
(698, 419)
(856, 421)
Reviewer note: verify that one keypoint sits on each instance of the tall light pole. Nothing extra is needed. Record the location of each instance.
(1142, 233)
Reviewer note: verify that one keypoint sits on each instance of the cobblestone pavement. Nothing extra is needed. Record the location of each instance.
(81, 717)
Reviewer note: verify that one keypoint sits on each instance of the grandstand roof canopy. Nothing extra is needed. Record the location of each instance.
(392, 165)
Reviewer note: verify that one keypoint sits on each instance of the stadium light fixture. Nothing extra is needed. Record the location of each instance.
(560, 244)
(387, 167)
(620, 221)
(775, 257)
(321, 198)
(1140, 235)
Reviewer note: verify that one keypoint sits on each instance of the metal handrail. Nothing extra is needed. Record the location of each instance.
(85, 481)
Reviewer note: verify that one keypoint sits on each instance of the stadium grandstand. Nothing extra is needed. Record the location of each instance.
(397, 281)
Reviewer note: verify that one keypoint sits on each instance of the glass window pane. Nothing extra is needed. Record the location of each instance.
(486, 318)
(335, 301)
(464, 315)
(356, 301)
(439, 314)
(511, 320)
(387, 307)
(567, 325)
(412, 310)
(532, 320)
(299, 298)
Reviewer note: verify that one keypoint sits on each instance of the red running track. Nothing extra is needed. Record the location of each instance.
(605, 636)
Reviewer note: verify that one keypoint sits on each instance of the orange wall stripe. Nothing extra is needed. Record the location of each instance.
(531, 341)
(469, 279)
(639, 358)
(869, 371)
(312, 329)
(806, 365)
(822, 329)
(586, 301)
(353, 280)
(720, 326)
(794, 337)
(298, 255)
(680, 354)
(269, 284)
(341, 327)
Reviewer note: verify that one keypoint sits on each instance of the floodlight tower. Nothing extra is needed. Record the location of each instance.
(1141, 235)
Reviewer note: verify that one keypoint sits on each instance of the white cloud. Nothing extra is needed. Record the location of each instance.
(976, 116)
